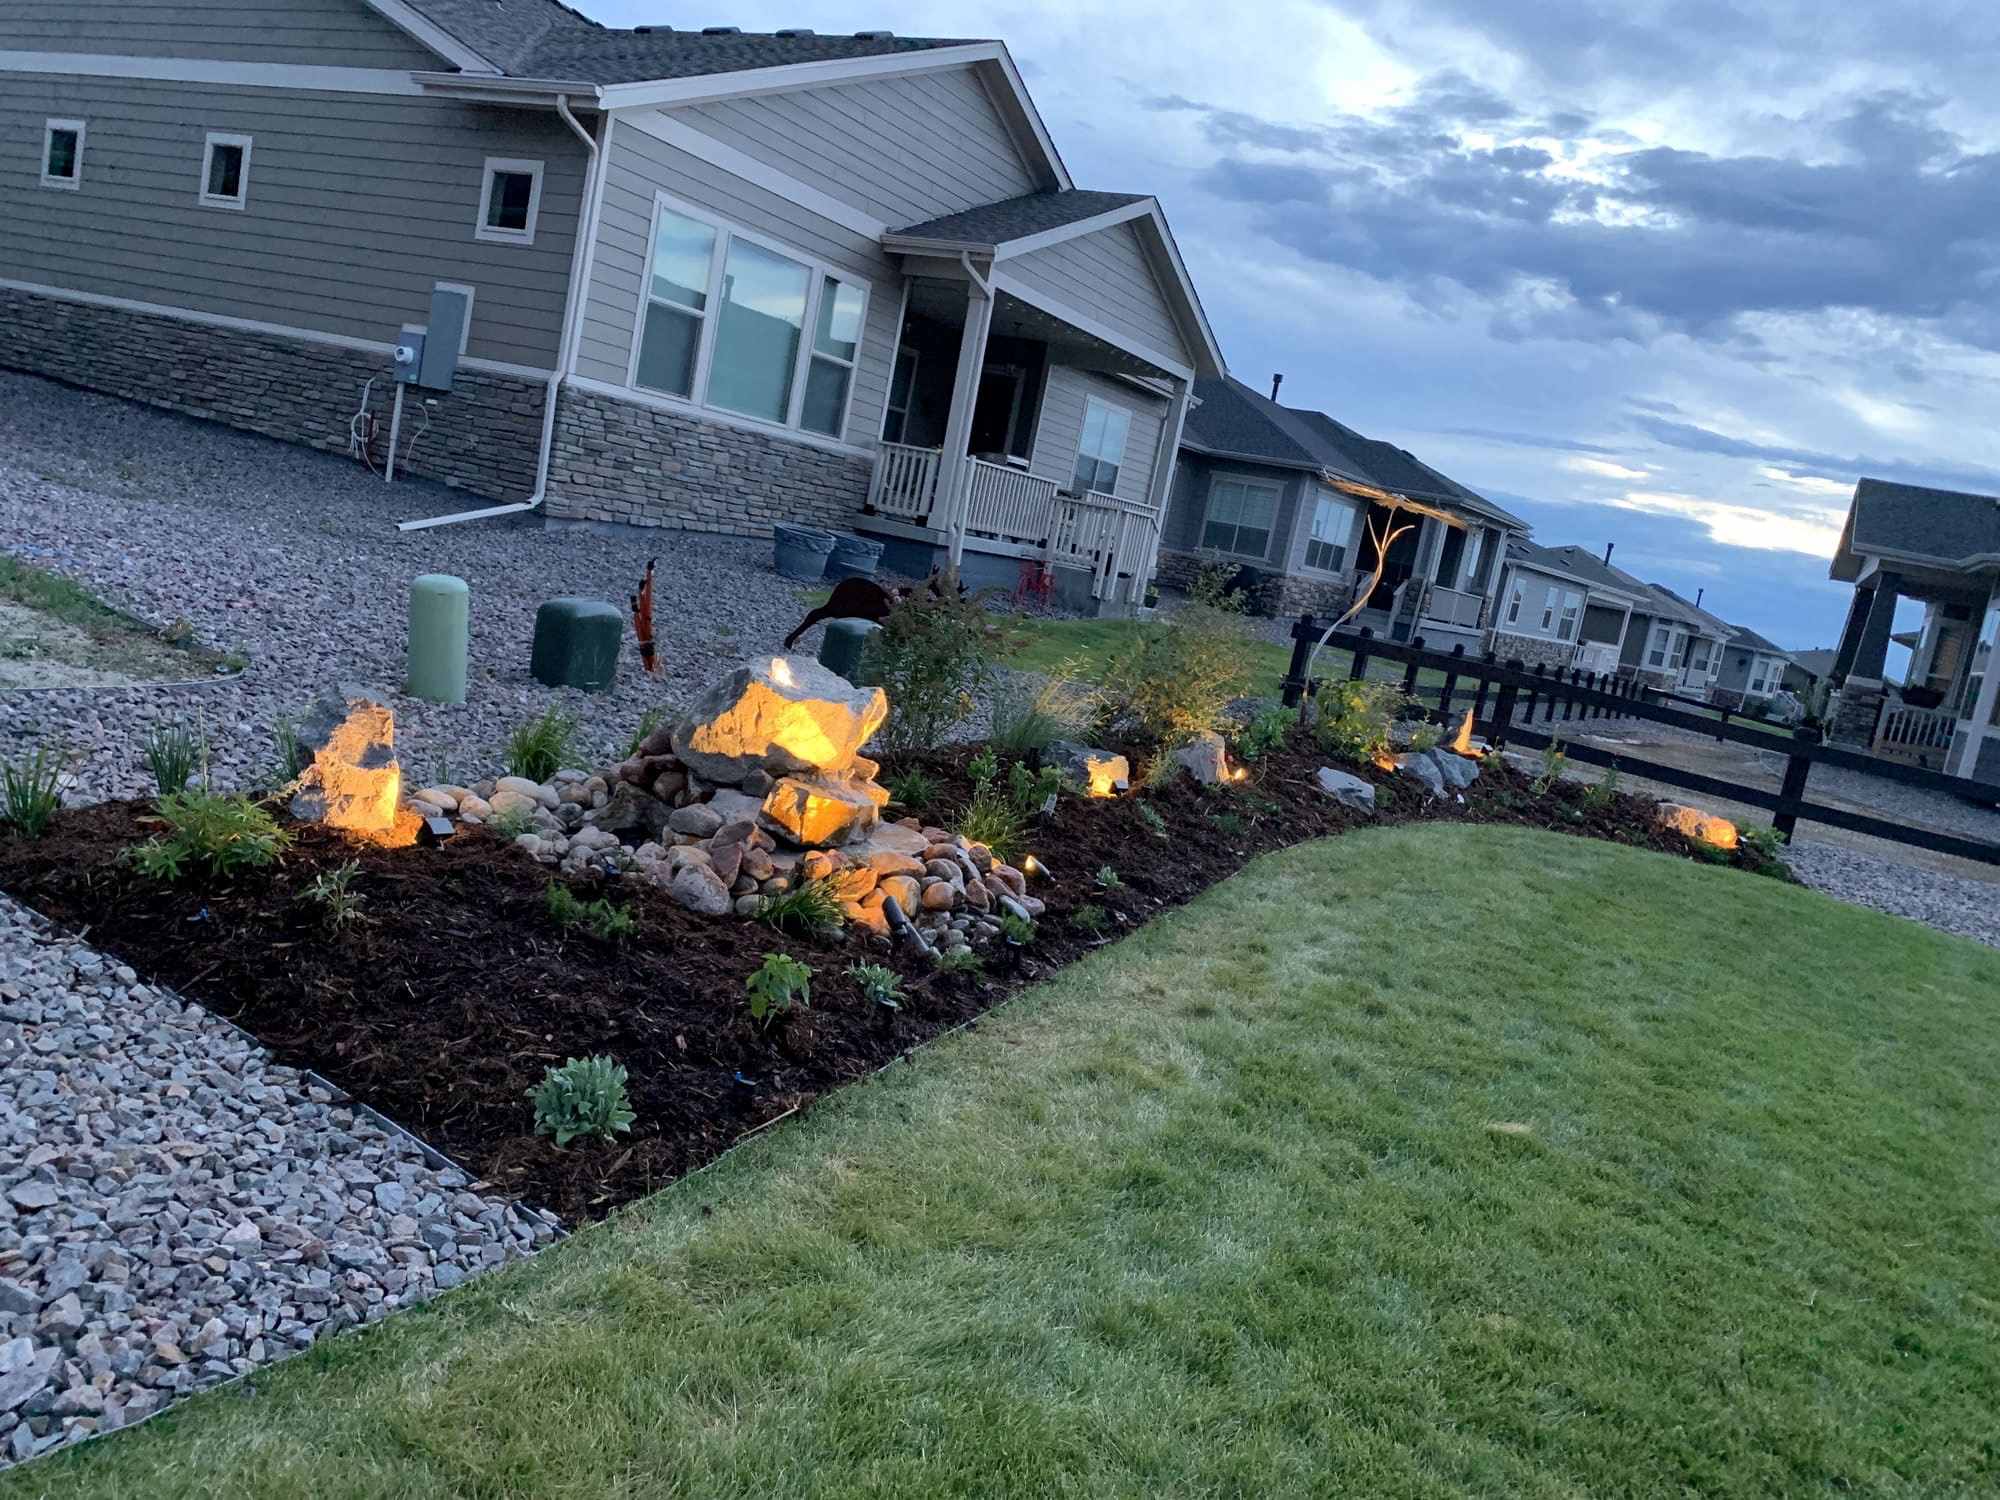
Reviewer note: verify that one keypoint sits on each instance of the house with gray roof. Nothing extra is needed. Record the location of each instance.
(1289, 499)
(642, 276)
(1942, 547)
(1562, 607)
(1752, 668)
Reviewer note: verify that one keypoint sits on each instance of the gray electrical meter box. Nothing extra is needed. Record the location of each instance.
(437, 362)
(409, 353)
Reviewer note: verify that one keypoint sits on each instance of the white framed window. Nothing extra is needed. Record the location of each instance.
(1516, 597)
(225, 171)
(1469, 568)
(62, 153)
(1332, 529)
(902, 386)
(1241, 514)
(510, 201)
(1551, 602)
(1100, 450)
(724, 323)
(1698, 655)
(1572, 605)
(1666, 647)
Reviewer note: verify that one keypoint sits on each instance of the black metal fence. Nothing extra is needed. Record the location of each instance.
(1513, 704)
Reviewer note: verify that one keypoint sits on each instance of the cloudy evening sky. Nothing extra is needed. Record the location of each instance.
(1669, 273)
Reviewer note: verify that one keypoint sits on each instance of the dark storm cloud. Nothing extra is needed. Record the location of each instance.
(1533, 440)
(1906, 225)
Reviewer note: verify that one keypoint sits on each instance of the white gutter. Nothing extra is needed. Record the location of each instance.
(579, 264)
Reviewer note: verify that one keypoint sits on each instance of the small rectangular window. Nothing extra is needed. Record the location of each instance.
(62, 154)
(225, 171)
(510, 201)
(1332, 525)
(1101, 450)
(1516, 596)
(1571, 603)
(836, 345)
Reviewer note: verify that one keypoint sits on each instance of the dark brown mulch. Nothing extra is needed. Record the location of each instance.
(445, 1003)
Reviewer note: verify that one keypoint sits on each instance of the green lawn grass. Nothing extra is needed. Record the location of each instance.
(1420, 1162)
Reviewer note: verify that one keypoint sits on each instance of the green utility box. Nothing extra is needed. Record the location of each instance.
(576, 644)
(440, 620)
(843, 645)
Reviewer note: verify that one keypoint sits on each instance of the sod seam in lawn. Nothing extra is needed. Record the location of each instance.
(1434, 1160)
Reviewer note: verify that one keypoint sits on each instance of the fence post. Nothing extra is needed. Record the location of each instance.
(1723, 709)
(1503, 707)
(1410, 671)
(1793, 790)
(1303, 635)
(1534, 691)
(1569, 699)
(1450, 687)
(1479, 698)
(1360, 668)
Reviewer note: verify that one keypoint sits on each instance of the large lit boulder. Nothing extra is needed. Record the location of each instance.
(353, 782)
(820, 812)
(782, 714)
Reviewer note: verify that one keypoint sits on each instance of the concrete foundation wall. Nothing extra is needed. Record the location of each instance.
(484, 435)
(1532, 650)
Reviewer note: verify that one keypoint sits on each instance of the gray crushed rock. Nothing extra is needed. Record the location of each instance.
(1949, 903)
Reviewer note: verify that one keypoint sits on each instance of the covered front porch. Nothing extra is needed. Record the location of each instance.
(1020, 448)
(1436, 577)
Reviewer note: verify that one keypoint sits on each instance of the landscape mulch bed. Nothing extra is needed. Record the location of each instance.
(443, 1005)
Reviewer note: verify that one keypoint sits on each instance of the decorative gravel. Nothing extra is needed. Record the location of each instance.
(1950, 903)
(176, 1209)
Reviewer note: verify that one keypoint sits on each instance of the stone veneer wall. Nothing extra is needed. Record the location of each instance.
(1856, 711)
(638, 465)
(1280, 594)
(484, 435)
(1532, 650)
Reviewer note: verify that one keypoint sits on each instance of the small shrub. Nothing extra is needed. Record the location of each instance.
(511, 823)
(914, 789)
(1605, 792)
(332, 891)
(1161, 769)
(1155, 824)
(216, 834)
(1179, 676)
(585, 1096)
(31, 791)
(1211, 587)
(540, 747)
(1016, 928)
(780, 983)
(879, 983)
(1108, 879)
(933, 656)
(293, 756)
(648, 722)
(1424, 738)
(1089, 918)
(808, 909)
(599, 918)
(1230, 824)
(1355, 718)
(1763, 851)
(1266, 732)
(1553, 761)
(172, 752)
(1030, 713)
(961, 961)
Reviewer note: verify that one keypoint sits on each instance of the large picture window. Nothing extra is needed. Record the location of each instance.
(1332, 528)
(1101, 450)
(1240, 517)
(726, 319)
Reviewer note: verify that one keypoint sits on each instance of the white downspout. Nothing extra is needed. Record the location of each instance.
(579, 265)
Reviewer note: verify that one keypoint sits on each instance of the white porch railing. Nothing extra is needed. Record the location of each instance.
(1102, 533)
(1008, 504)
(905, 481)
(1915, 736)
(1596, 657)
(1453, 607)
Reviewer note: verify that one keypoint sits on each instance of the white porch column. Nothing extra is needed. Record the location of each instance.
(1160, 494)
(953, 466)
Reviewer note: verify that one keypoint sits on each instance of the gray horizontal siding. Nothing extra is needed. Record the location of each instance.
(1061, 429)
(327, 33)
(357, 204)
(636, 167)
(1109, 277)
(904, 149)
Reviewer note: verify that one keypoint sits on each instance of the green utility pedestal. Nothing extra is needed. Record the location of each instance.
(843, 645)
(576, 644)
(440, 618)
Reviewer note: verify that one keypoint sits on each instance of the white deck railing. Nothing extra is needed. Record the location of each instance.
(1915, 736)
(1453, 607)
(906, 481)
(1008, 504)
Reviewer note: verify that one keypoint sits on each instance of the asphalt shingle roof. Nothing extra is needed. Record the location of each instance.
(1017, 218)
(504, 32)
(1713, 624)
(1587, 565)
(1525, 552)
(1933, 523)
(1400, 470)
(1748, 640)
(598, 55)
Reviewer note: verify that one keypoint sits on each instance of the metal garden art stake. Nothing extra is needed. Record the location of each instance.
(642, 621)
(1384, 538)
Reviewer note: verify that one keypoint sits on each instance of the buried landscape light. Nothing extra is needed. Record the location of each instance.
(1032, 867)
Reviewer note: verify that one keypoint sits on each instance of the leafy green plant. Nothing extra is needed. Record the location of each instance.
(31, 791)
(961, 961)
(1089, 918)
(1211, 588)
(933, 656)
(218, 835)
(599, 918)
(780, 984)
(1424, 738)
(172, 752)
(1155, 824)
(1108, 879)
(1230, 824)
(293, 756)
(1554, 759)
(1161, 768)
(333, 892)
(914, 789)
(809, 909)
(879, 983)
(1763, 851)
(511, 823)
(1266, 732)
(1016, 928)
(998, 815)
(585, 1096)
(1031, 712)
(539, 748)
(1178, 676)
(648, 722)
(1605, 792)
(1355, 718)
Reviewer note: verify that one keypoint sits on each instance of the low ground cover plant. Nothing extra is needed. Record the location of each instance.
(780, 985)
(1267, 731)
(1554, 760)
(1002, 809)
(332, 891)
(541, 747)
(31, 791)
(880, 983)
(586, 1096)
(212, 834)
(600, 918)
(809, 909)
(913, 789)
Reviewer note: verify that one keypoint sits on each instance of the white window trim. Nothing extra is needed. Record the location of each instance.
(1124, 440)
(889, 407)
(1248, 482)
(1323, 496)
(216, 200)
(1517, 596)
(49, 129)
(495, 165)
(471, 302)
(697, 397)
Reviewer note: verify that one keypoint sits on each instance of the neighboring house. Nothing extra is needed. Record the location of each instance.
(715, 280)
(1900, 542)
(1561, 607)
(1752, 668)
(1807, 669)
(1706, 637)
(1288, 497)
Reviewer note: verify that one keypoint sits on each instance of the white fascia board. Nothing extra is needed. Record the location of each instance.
(1165, 363)
(906, 244)
(203, 70)
(704, 88)
(433, 36)
(1037, 127)
(497, 90)
(662, 126)
(1029, 244)
(1164, 237)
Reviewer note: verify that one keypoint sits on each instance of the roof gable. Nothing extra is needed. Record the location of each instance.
(1951, 527)
(598, 54)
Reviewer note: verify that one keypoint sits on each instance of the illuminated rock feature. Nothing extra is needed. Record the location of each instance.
(353, 782)
(1696, 824)
(821, 811)
(782, 714)
(1099, 772)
